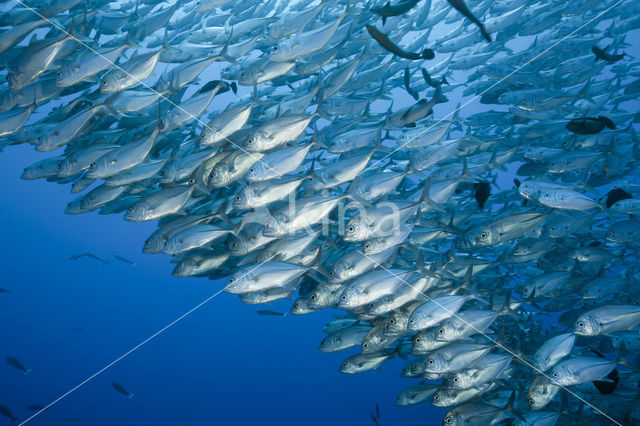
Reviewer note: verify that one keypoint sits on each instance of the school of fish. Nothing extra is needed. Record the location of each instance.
(323, 151)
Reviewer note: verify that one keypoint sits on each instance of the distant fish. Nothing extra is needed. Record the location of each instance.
(4, 290)
(616, 195)
(395, 49)
(376, 417)
(91, 255)
(481, 192)
(17, 364)
(36, 407)
(462, 8)
(118, 387)
(589, 125)
(124, 260)
(397, 9)
(267, 312)
(5, 411)
(609, 57)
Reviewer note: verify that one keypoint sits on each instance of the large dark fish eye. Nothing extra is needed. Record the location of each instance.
(441, 331)
(483, 235)
(554, 374)
(532, 402)
(351, 228)
(238, 197)
(313, 297)
(231, 280)
(581, 324)
(436, 397)
(430, 361)
(130, 210)
(104, 82)
(455, 379)
(418, 339)
(365, 345)
(449, 420)
(59, 74)
(250, 141)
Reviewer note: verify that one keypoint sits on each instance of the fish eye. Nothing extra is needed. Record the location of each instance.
(441, 331)
(532, 402)
(365, 345)
(430, 361)
(351, 228)
(163, 173)
(436, 397)
(59, 166)
(267, 226)
(344, 364)
(238, 197)
(391, 321)
(250, 141)
(130, 210)
(191, 181)
(411, 321)
(483, 235)
(581, 324)
(418, 340)
(104, 82)
(231, 280)
(344, 297)
(313, 297)
(331, 273)
(92, 165)
(59, 74)
(251, 170)
(455, 379)
(367, 245)
(275, 48)
(554, 374)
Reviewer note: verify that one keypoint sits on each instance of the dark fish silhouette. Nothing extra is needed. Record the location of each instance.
(5, 411)
(394, 10)
(267, 312)
(407, 84)
(395, 49)
(609, 57)
(90, 255)
(616, 195)
(124, 259)
(376, 417)
(4, 290)
(14, 362)
(481, 192)
(118, 387)
(36, 407)
(462, 8)
(589, 125)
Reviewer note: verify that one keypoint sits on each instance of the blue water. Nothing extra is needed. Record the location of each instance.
(223, 364)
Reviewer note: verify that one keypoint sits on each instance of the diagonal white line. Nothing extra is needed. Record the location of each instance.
(160, 95)
(495, 342)
(493, 85)
(138, 346)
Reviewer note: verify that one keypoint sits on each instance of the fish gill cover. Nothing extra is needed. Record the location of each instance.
(275, 146)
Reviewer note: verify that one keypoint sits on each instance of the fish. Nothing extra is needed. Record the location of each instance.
(267, 312)
(461, 7)
(395, 49)
(124, 260)
(394, 10)
(589, 125)
(36, 407)
(120, 389)
(89, 255)
(5, 411)
(15, 363)
(287, 152)
(605, 56)
(4, 290)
